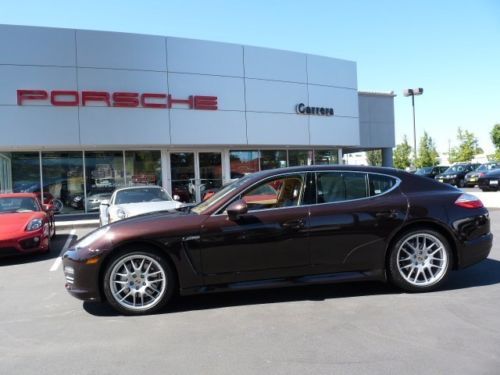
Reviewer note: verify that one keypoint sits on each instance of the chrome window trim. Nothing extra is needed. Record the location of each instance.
(396, 185)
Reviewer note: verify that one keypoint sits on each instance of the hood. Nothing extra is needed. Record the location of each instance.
(133, 209)
(11, 223)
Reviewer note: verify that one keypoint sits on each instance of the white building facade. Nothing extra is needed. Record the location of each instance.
(83, 112)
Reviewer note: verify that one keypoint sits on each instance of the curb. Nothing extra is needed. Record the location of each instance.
(77, 224)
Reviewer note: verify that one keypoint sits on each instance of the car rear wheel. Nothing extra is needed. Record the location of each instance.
(138, 282)
(420, 261)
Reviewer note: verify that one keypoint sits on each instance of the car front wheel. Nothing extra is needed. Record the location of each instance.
(419, 261)
(138, 282)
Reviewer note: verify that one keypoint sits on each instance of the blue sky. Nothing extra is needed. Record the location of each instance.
(450, 48)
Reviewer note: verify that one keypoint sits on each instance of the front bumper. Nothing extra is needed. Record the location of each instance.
(447, 180)
(82, 276)
(471, 181)
(31, 242)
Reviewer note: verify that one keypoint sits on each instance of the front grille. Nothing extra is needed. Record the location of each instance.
(30, 243)
(7, 251)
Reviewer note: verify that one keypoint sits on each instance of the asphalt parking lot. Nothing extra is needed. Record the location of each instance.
(337, 329)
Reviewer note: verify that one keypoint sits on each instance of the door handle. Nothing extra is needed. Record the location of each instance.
(389, 214)
(294, 224)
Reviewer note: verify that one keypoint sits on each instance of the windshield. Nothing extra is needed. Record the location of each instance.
(455, 168)
(138, 195)
(18, 205)
(198, 209)
(424, 170)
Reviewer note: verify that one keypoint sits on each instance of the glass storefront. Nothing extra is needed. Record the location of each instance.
(300, 157)
(103, 174)
(271, 159)
(143, 167)
(77, 181)
(63, 179)
(243, 163)
(182, 175)
(324, 157)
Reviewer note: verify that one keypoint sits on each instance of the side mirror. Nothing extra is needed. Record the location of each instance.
(176, 198)
(105, 202)
(236, 209)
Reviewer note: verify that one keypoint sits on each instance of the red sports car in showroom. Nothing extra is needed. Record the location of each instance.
(26, 226)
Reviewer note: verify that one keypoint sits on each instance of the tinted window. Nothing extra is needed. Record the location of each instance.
(284, 191)
(340, 186)
(18, 205)
(380, 184)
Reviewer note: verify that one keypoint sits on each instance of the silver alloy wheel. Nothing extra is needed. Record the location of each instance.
(422, 259)
(138, 282)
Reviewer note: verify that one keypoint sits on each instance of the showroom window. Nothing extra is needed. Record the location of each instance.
(243, 163)
(103, 174)
(20, 172)
(300, 157)
(63, 180)
(325, 157)
(143, 167)
(271, 159)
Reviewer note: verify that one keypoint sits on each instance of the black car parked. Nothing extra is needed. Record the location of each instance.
(431, 172)
(471, 178)
(490, 181)
(455, 175)
(284, 227)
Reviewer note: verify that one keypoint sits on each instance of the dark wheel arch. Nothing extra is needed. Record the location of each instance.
(130, 246)
(424, 224)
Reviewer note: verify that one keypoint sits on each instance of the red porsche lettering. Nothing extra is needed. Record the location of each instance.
(72, 98)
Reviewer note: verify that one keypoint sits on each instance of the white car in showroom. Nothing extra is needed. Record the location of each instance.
(136, 200)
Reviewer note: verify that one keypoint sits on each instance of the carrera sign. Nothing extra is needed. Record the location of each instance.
(65, 98)
(302, 109)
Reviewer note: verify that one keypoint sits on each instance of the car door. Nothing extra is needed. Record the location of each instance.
(352, 218)
(269, 241)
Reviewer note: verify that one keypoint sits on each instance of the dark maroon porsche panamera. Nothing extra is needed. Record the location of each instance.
(294, 226)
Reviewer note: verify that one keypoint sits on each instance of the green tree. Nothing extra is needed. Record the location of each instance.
(402, 153)
(467, 148)
(495, 138)
(427, 154)
(374, 157)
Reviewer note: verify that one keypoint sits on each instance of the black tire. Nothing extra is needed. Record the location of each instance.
(461, 183)
(485, 189)
(158, 262)
(396, 264)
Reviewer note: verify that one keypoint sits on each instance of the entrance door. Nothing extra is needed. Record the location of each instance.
(195, 175)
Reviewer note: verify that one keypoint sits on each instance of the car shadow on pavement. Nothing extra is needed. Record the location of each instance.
(56, 246)
(485, 273)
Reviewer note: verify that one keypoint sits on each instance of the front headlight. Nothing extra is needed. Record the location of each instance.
(120, 213)
(94, 236)
(452, 176)
(34, 224)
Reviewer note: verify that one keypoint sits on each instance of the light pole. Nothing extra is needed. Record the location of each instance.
(412, 93)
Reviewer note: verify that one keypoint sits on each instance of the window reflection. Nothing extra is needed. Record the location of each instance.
(143, 167)
(300, 157)
(63, 179)
(243, 163)
(271, 159)
(103, 174)
(324, 157)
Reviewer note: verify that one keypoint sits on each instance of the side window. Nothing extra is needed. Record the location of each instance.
(340, 186)
(284, 191)
(380, 184)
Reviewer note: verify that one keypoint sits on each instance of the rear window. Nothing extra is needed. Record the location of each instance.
(379, 184)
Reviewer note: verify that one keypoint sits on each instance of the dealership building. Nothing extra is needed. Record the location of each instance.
(84, 112)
